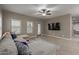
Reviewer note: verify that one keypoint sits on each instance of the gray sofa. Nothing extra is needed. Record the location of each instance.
(9, 46)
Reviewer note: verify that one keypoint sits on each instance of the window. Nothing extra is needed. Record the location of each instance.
(16, 26)
(29, 26)
(0, 27)
(39, 29)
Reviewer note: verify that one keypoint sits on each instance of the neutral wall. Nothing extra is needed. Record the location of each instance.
(0, 22)
(7, 16)
(65, 24)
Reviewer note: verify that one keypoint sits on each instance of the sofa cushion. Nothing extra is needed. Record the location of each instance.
(23, 49)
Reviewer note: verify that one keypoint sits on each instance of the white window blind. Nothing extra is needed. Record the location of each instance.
(16, 26)
(29, 26)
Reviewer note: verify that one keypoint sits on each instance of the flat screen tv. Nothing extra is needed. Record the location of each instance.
(49, 26)
(57, 26)
(54, 26)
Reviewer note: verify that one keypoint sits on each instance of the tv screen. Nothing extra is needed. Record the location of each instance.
(49, 27)
(57, 26)
(54, 26)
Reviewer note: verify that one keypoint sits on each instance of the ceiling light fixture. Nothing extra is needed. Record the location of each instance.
(45, 12)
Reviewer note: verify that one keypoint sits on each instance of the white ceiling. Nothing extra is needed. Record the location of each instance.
(32, 9)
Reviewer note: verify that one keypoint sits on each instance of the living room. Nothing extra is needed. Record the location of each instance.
(39, 21)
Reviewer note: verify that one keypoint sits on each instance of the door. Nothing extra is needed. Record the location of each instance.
(39, 29)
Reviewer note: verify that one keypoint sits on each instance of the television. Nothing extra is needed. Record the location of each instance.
(49, 26)
(54, 26)
(57, 26)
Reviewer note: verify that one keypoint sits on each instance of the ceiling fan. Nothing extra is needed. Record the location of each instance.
(45, 12)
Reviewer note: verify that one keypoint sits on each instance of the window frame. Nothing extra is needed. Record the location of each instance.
(19, 26)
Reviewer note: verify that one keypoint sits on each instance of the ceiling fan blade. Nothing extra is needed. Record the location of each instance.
(48, 14)
(40, 11)
(38, 14)
(48, 11)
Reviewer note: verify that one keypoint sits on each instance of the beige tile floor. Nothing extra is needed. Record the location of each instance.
(39, 46)
(67, 47)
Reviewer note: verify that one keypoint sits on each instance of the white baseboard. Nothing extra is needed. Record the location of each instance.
(57, 37)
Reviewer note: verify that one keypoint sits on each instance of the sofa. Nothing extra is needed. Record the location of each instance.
(10, 46)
